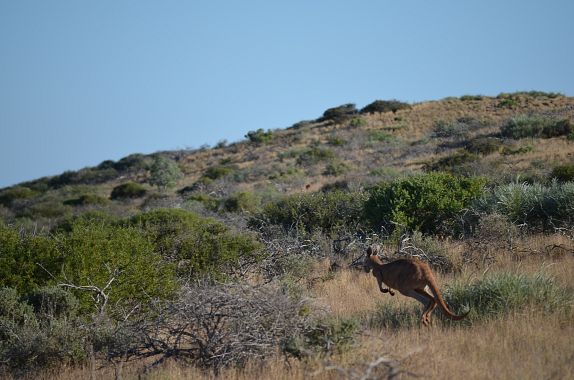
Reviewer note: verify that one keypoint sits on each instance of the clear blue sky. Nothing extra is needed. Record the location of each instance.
(84, 81)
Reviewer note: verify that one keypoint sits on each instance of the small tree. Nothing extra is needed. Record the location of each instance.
(164, 173)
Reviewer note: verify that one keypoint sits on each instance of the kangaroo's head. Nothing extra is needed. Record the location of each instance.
(367, 262)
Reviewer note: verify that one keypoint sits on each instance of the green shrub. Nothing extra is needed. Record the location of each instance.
(385, 106)
(260, 136)
(381, 136)
(484, 145)
(199, 246)
(53, 302)
(241, 202)
(49, 208)
(535, 126)
(428, 203)
(336, 141)
(533, 205)
(324, 338)
(458, 129)
(87, 200)
(357, 122)
(329, 212)
(340, 113)
(315, 155)
(133, 163)
(466, 98)
(336, 168)
(502, 293)
(208, 201)
(510, 102)
(7, 196)
(93, 253)
(532, 94)
(216, 172)
(31, 342)
(453, 163)
(128, 190)
(510, 150)
(88, 176)
(164, 173)
(563, 173)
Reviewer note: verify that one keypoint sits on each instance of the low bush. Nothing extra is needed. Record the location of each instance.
(9, 195)
(340, 113)
(30, 341)
(216, 172)
(381, 136)
(532, 94)
(458, 129)
(323, 337)
(484, 145)
(260, 136)
(87, 200)
(357, 122)
(329, 212)
(128, 190)
(535, 126)
(336, 168)
(241, 202)
(563, 173)
(132, 164)
(429, 203)
(199, 246)
(466, 98)
(502, 293)
(453, 163)
(535, 206)
(385, 106)
(315, 155)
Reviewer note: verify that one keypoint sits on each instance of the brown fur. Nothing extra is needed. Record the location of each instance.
(410, 277)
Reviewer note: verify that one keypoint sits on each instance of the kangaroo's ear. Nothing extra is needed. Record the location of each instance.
(373, 250)
(369, 251)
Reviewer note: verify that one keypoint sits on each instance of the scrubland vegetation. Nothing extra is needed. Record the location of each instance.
(243, 261)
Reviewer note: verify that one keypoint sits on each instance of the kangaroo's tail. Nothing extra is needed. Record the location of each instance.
(434, 288)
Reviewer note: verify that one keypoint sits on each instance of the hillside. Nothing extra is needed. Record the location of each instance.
(247, 260)
(460, 135)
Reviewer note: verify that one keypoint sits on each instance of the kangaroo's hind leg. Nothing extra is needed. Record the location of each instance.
(430, 307)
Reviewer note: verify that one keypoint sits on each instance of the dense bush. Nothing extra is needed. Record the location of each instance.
(19, 258)
(453, 163)
(484, 145)
(44, 334)
(94, 253)
(328, 212)
(199, 246)
(533, 205)
(458, 129)
(132, 164)
(385, 106)
(466, 98)
(429, 203)
(336, 168)
(216, 172)
(532, 94)
(87, 200)
(242, 201)
(340, 113)
(504, 292)
(260, 136)
(563, 173)
(535, 126)
(7, 196)
(315, 155)
(128, 190)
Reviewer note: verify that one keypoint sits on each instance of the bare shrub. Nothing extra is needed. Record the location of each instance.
(211, 327)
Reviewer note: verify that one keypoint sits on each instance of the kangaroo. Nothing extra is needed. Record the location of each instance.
(409, 277)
